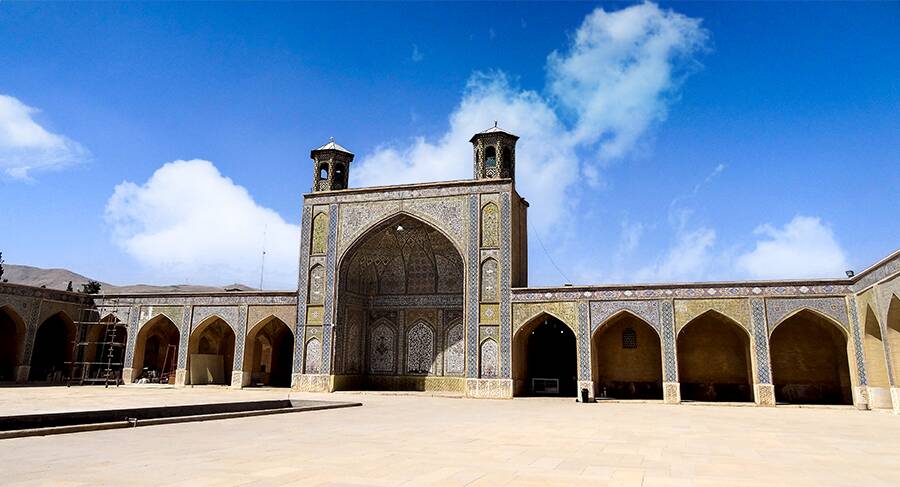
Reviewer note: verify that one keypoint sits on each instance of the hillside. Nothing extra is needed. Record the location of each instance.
(59, 279)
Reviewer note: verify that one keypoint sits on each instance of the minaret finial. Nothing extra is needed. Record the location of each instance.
(495, 123)
(330, 139)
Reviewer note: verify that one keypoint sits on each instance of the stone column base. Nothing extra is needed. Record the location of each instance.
(180, 377)
(310, 382)
(22, 372)
(895, 398)
(764, 394)
(489, 388)
(861, 397)
(237, 379)
(127, 375)
(589, 385)
(671, 392)
(879, 397)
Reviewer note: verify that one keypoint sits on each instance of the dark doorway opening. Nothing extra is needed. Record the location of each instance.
(549, 366)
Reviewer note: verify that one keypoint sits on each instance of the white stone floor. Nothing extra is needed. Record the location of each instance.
(421, 440)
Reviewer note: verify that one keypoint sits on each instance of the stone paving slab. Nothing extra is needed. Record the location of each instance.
(412, 440)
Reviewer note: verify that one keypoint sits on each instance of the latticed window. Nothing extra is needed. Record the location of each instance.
(629, 338)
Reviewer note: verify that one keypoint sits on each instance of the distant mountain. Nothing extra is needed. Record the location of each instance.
(59, 279)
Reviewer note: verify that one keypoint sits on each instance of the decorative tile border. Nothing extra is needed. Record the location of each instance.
(521, 295)
(667, 322)
(239, 339)
(184, 336)
(228, 314)
(760, 340)
(857, 344)
(584, 343)
(330, 263)
(302, 289)
(505, 279)
(472, 292)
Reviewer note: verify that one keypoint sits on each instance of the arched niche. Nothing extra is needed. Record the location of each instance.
(211, 352)
(268, 353)
(545, 358)
(627, 358)
(809, 360)
(53, 349)
(12, 342)
(156, 350)
(714, 361)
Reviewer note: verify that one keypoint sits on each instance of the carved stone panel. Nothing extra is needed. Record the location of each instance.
(490, 226)
(420, 349)
(382, 349)
(313, 364)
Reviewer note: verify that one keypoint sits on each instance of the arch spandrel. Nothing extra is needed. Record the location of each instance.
(885, 292)
(603, 311)
(447, 215)
(228, 314)
(173, 313)
(50, 308)
(565, 311)
(737, 310)
(834, 309)
(258, 314)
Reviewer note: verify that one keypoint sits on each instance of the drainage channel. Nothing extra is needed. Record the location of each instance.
(74, 421)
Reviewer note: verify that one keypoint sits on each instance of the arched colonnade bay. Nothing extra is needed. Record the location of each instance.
(768, 351)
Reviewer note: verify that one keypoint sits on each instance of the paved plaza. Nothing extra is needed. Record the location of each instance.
(424, 440)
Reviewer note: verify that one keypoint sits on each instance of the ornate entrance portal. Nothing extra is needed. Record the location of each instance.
(400, 296)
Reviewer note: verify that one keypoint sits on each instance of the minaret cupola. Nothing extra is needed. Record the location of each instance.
(331, 164)
(495, 153)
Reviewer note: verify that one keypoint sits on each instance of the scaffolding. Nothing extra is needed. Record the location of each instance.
(99, 347)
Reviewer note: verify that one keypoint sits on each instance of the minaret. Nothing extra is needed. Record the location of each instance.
(495, 153)
(331, 164)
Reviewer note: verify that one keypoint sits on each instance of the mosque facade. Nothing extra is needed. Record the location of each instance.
(424, 287)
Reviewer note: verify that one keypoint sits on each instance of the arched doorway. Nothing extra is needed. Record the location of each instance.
(545, 358)
(809, 361)
(714, 360)
(101, 352)
(211, 353)
(156, 351)
(12, 338)
(268, 353)
(627, 359)
(400, 296)
(53, 347)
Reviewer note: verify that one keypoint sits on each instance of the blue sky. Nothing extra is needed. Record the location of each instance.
(687, 141)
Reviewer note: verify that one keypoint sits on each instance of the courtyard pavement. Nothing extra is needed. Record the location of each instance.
(423, 440)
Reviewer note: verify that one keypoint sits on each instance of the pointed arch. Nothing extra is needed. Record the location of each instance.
(455, 354)
(490, 281)
(382, 348)
(156, 350)
(806, 309)
(626, 352)
(211, 348)
(809, 356)
(12, 342)
(268, 353)
(545, 357)
(714, 359)
(53, 348)
(873, 350)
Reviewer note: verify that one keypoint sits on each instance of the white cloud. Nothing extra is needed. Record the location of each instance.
(689, 259)
(26, 146)
(190, 221)
(617, 78)
(416, 54)
(802, 248)
(620, 72)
